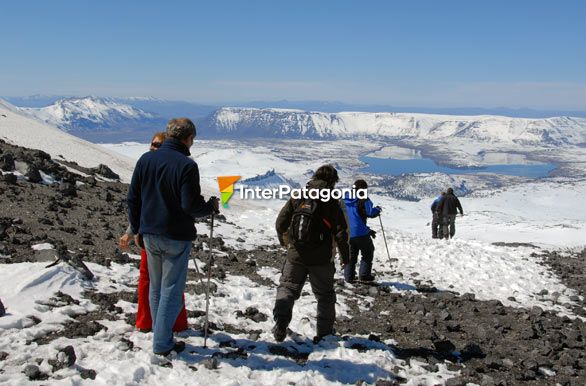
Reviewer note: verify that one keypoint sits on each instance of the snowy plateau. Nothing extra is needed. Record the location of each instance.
(501, 303)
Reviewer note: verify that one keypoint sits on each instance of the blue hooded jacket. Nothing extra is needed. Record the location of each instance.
(358, 226)
(435, 204)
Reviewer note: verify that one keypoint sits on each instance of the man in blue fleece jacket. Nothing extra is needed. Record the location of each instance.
(359, 210)
(163, 199)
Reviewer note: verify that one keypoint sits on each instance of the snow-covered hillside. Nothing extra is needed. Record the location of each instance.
(20, 129)
(119, 354)
(282, 123)
(93, 113)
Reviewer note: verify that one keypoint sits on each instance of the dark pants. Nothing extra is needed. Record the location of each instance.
(365, 247)
(449, 226)
(436, 227)
(321, 278)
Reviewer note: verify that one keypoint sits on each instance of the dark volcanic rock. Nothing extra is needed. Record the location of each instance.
(105, 171)
(2, 309)
(10, 178)
(87, 374)
(7, 162)
(34, 373)
(33, 175)
(67, 189)
(65, 358)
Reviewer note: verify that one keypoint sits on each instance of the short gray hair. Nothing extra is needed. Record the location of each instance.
(180, 128)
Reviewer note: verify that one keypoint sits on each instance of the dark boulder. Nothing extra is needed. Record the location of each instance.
(33, 175)
(10, 178)
(7, 162)
(88, 374)
(65, 358)
(106, 172)
(34, 373)
(68, 189)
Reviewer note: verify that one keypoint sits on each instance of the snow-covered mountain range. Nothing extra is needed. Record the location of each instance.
(116, 119)
(284, 123)
(93, 113)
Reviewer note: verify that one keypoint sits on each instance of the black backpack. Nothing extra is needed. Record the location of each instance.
(309, 229)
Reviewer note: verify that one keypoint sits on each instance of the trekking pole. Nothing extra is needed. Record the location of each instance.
(197, 271)
(210, 258)
(385, 239)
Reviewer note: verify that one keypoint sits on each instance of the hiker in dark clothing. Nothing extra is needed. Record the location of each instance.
(163, 199)
(436, 224)
(448, 209)
(359, 210)
(308, 228)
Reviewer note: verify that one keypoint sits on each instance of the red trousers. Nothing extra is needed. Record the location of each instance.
(143, 316)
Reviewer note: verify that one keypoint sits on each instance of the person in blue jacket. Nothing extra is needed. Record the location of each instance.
(359, 210)
(436, 223)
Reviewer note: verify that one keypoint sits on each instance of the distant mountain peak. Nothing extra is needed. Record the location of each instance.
(91, 113)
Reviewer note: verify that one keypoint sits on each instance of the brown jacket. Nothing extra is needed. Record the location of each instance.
(334, 214)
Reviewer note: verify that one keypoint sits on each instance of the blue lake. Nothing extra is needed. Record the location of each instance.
(396, 167)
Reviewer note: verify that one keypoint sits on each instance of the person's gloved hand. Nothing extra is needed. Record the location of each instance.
(380, 210)
(215, 202)
(372, 234)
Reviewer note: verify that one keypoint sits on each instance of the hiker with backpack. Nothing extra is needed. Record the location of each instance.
(359, 210)
(308, 228)
(144, 322)
(448, 208)
(436, 223)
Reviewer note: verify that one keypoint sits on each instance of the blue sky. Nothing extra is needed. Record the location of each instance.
(402, 53)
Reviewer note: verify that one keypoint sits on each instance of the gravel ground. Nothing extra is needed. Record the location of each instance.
(491, 344)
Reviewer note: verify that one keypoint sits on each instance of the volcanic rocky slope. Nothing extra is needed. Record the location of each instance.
(490, 344)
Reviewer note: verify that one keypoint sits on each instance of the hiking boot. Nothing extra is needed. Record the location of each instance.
(319, 337)
(279, 332)
(178, 347)
(367, 278)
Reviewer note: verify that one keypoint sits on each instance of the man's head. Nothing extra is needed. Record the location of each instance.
(181, 129)
(443, 193)
(360, 184)
(158, 140)
(450, 191)
(326, 173)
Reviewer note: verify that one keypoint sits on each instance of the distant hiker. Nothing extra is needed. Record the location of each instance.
(448, 208)
(359, 210)
(307, 227)
(143, 315)
(436, 223)
(163, 199)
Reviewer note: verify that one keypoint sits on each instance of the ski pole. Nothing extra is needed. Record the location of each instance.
(210, 259)
(385, 239)
(197, 270)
